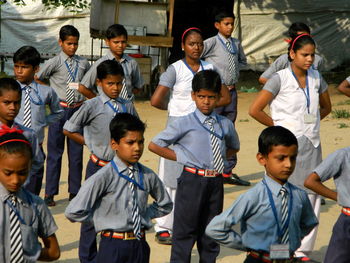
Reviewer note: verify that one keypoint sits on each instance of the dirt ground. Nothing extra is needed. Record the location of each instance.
(333, 136)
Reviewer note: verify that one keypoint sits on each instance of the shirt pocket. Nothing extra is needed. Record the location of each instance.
(30, 242)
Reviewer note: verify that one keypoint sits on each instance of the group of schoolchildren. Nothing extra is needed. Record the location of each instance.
(274, 216)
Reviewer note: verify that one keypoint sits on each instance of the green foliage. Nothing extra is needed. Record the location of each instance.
(342, 125)
(345, 102)
(76, 6)
(341, 114)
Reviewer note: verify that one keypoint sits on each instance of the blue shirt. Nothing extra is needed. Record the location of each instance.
(132, 74)
(57, 72)
(216, 53)
(337, 165)
(94, 117)
(40, 96)
(191, 139)
(38, 222)
(106, 199)
(258, 225)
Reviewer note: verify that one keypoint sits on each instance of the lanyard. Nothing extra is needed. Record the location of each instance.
(188, 66)
(233, 51)
(139, 185)
(307, 93)
(114, 109)
(274, 210)
(36, 92)
(73, 75)
(208, 130)
(20, 218)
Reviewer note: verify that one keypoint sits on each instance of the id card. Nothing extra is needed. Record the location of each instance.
(73, 85)
(309, 118)
(279, 251)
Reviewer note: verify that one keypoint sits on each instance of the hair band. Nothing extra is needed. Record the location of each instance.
(15, 140)
(188, 29)
(299, 36)
(4, 129)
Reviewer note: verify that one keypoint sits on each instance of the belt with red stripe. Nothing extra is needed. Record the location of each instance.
(202, 172)
(265, 257)
(72, 106)
(122, 235)
(346, 211)
(97, 160)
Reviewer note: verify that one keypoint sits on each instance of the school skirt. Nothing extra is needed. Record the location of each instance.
(309, 157)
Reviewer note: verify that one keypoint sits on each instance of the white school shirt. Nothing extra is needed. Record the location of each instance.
(289, 106)
(181, 103)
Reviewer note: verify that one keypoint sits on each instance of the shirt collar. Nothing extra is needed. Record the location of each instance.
(4, 195)
(122, 166)
(32, 85)
(202, 117)
(274, 186)
(110, 56)
(64, 56)
(224, 39)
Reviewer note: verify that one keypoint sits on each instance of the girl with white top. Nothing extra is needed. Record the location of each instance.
(176, 81)
(298, 100)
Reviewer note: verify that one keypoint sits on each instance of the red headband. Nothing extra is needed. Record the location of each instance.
(14, 140)
(299, 36)
(188, 29)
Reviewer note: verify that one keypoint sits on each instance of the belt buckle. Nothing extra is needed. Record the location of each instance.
(129, 236)
(210, 173)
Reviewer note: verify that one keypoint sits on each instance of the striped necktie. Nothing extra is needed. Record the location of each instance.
(136, 218)
(124, 92)
(284, 215)
(115, 106)
(16, 248)
(70, 92)
(231, 62)
(27, 112)
(215, 146)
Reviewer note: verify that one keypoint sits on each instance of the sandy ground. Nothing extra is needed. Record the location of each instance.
(333, 137)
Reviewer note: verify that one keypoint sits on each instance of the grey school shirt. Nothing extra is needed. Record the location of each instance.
(337, 166)
(131, 69)
(56, 70)
(37, 222)
(106, 199)
(216, 53)
(94, 117)
(282, 62)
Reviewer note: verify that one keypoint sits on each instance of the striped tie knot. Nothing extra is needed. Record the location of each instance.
(210, 121)
(229, 46)
(284, 215)
(283, 192)
(13, 199)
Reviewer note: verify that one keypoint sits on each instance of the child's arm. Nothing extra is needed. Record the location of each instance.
(277, 65)
(241, 57)
(225, 97)
(51, 249)
(325, 104)
(308, 219)
(314, 183)
(158, 99)
(256, 109)
(344, 87)
(75, 136)
(56, 111)
(164, 152)
(86, 92)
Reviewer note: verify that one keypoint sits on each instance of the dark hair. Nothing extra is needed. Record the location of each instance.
(15, 142)
(298, 42)
(297, 27)
(10, 84)
(109, 67)
(28, 55)
(207, 80)
(223, 14)
(124, 122)
(67, 31)
(116, 30)
(190, 31)
(274, 136)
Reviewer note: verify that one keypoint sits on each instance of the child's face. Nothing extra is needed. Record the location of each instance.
(206, 100)
(70, 45)
(117, 45)
(10, 103)
(304, 57)
(129, 148)
(225, 26)
(280, 162)
(111, 85)
(24, 72)
(14, 169)
(193, 46)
